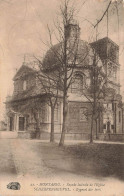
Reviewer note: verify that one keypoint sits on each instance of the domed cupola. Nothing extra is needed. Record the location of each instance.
(82, 50)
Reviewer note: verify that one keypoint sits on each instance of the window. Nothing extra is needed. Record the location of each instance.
(11, 124)
(44, 113)
(119, 116)
(77, 85)
(109, 69)
(24, 85)
(83, 114)
(110, 106)
(114, 72)
(113, 106)
(87, 82)
(73, 113)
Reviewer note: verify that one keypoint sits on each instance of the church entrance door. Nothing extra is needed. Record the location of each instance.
(108, 126)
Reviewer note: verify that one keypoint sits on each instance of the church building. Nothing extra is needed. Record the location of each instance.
(28, 91)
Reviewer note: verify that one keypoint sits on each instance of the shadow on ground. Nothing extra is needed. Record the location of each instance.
(98, 160)
(103, 160)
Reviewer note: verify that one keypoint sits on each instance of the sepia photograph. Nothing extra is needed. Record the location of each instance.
(62, 97)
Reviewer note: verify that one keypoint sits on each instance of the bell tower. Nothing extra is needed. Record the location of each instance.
(108, 51)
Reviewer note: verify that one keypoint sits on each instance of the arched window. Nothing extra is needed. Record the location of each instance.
(110, 69)
(77, 85)
(24, 85)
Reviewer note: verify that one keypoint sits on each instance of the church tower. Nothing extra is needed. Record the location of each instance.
(109, 54)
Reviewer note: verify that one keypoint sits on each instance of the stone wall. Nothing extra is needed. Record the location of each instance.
(111, 137)
(79, 118)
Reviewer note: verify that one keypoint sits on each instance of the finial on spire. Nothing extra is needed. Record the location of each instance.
(24, 59)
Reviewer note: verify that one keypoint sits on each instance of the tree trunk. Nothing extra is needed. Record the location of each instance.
(38, 129)
(91, 133)
(37, 120)
(65, 109)
(52, 125)
(96, 129)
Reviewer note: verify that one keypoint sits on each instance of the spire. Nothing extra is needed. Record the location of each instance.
(24, 61)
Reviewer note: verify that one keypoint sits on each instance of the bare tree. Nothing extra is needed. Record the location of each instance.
(99, 78)
(96, 75)
(68, 57)
(51, 87)
(63, 58)
(96, 90)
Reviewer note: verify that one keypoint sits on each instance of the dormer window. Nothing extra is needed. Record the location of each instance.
(24, 85)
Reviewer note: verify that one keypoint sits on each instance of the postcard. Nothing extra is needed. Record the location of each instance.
(61, 97)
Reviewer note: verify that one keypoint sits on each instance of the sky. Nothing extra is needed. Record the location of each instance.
(23, 29)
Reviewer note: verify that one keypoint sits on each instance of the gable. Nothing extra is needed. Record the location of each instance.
(23, 71)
